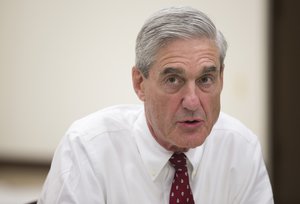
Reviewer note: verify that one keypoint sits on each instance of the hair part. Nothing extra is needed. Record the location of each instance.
(170, 24)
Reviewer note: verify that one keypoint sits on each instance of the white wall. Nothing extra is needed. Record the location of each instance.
(60, 60)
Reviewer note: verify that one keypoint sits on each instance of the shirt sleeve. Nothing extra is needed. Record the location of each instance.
(71, 178)
(254, 184)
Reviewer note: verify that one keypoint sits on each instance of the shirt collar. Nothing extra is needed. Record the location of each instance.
(194, 157)
(154, 156)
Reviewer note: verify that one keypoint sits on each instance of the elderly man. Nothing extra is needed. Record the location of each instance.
(177, 147)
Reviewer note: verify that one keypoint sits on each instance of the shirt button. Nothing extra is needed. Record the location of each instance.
(193, 174)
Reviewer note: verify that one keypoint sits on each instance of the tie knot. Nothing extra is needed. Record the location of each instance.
(178, 160)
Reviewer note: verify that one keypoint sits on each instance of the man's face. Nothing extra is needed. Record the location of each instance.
(182, 93)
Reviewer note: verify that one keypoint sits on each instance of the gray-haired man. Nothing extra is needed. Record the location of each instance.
(129, 154)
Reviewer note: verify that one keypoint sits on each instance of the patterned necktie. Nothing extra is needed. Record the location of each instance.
(180, 190)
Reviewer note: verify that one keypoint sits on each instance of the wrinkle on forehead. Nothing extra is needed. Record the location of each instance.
(188, 51)
(181, 71)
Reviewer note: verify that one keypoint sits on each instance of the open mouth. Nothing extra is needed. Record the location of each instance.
(191, 121)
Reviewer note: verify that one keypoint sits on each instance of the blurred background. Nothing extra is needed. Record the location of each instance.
(61, 60)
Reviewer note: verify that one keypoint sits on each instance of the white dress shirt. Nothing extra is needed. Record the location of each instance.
(111, 157)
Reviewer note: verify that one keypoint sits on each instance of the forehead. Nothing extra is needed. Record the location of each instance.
(188, 53)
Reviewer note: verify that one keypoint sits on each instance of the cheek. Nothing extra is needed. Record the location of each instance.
(161, 109)
(214, 107)
(158, 107)
(211, 104)
(156, 99)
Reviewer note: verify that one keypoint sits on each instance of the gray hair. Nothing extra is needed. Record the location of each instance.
(174, 23)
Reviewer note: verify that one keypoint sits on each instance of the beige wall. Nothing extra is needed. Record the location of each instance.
(60, 60)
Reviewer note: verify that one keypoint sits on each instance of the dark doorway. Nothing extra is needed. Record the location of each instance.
(285, 99)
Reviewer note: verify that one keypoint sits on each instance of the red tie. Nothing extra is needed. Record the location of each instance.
(180, 190)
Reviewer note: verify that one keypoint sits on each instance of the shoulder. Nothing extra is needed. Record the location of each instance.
(233, 128)
(110, 119)
(232, 141)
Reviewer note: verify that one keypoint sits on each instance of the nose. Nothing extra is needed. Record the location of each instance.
(190, 100)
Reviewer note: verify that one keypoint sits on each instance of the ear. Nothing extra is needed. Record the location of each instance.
(138, 83)
(222, 73)
(222, 70)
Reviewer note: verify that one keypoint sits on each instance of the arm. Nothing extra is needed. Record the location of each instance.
(71, 178)
(253, 184)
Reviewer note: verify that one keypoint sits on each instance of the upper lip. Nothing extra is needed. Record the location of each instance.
(190, 120)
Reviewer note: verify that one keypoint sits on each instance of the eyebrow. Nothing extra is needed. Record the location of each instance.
(209, 69)
(171, 70)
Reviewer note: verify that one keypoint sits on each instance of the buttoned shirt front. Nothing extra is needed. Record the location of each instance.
(111, 157)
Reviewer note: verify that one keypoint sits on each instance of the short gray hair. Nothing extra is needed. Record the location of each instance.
(174, 23)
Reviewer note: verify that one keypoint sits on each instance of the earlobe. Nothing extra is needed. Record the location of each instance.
(138, 83)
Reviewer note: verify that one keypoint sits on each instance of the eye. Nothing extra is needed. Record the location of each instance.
(172, 83)
(172, 80)
(206, 81)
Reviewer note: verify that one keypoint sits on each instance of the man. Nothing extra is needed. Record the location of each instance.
(177, 147)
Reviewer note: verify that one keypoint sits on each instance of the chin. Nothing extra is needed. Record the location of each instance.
(185, 147)
(196, 143)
